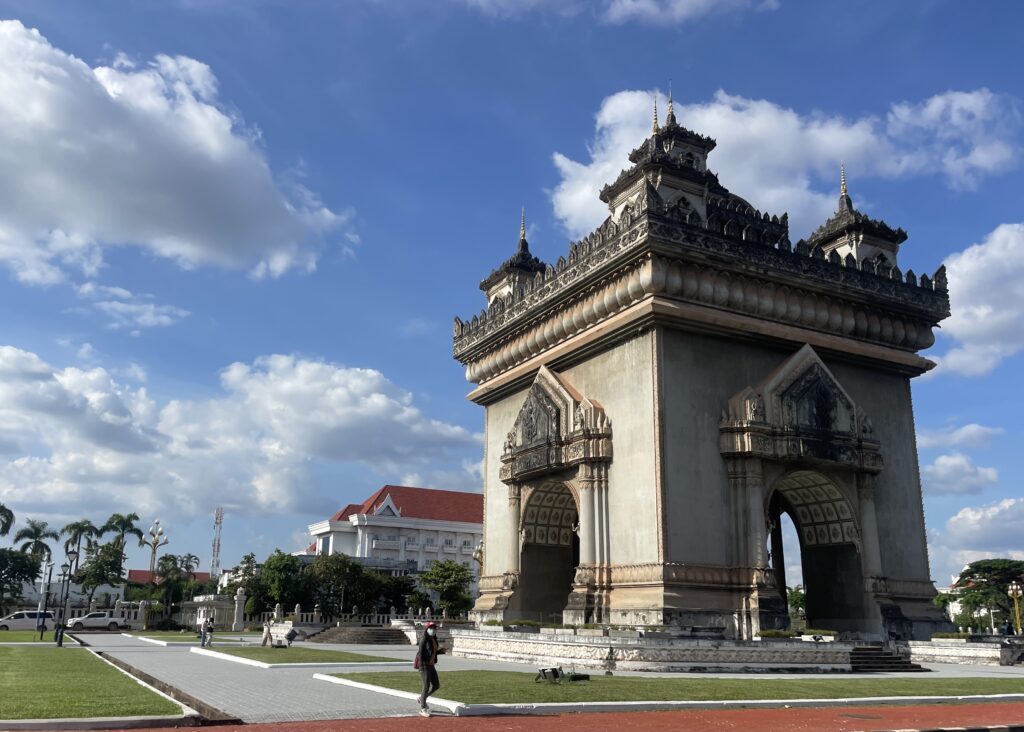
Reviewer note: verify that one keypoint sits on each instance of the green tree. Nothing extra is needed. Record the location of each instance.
(283, 578)
(395, 591)
(102, 566)
(982, 584)
(188, 563)
(16, 568)
(122, 525)
(796, 599)
(450, 580)
(172, 580)
(337, 584)
(418, 599)
(33, 537)
(6, 520)
(77, 532)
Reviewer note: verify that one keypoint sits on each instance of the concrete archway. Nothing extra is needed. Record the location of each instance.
(550, 551)
(827, 528)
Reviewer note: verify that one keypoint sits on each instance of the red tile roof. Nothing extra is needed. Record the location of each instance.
(424, 503)
(144, 577)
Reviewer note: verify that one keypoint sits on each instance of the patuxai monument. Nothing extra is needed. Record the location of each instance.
(661, 394)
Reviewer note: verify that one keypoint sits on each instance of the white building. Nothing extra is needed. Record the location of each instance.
(399, 525)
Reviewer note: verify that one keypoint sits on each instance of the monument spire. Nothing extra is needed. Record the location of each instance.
(670, 119)
(522, 231)
(654, 123)
(842, 179)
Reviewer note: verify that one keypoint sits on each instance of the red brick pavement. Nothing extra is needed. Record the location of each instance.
(831, 719)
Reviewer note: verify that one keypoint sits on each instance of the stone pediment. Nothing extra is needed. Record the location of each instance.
(556, 428)
(800, 412)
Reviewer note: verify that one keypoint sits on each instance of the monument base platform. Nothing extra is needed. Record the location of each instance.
(647, 654)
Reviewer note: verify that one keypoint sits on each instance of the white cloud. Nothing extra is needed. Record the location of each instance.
(986, 299)
(80, 440)
(956, 474)
(417, 327)
(782, 160)
(983, 532)
(125, 309)
(618, 12)
(970, 435)
(144, 155)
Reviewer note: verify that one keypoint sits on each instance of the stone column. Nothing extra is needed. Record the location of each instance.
(588, 550)
(779, 556)
(755, 514)
(238, 622)
(868, 526)
(514, 509)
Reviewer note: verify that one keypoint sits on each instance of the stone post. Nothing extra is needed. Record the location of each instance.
(238, 622)
(317, 614)
(869, 526)
(514, 509)
(278, 613)
(298, 611)
(588, 551)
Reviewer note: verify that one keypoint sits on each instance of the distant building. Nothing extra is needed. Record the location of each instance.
(405, 530)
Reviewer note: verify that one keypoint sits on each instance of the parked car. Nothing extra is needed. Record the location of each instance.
(99, 620)
(27, 620)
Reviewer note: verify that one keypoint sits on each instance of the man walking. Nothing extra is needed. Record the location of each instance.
(427, 658)
(267, 637)
(202, 633)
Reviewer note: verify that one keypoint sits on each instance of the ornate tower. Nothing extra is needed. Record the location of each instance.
(657, 398)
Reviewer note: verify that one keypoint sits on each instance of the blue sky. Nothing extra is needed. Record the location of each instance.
(233, 234)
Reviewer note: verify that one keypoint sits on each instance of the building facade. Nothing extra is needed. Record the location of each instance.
(406, 530)
(656, 398)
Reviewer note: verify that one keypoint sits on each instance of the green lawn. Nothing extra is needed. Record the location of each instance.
(46, 683)
(27, 636)
(301, 655)
(496, 687)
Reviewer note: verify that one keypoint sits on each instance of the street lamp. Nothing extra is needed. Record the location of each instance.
(157, 539)
(64, 595)
(1014, 591)
(44, 594)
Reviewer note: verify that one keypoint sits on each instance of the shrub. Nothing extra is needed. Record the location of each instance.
(944, 634)
(779, 634)
(812, 631)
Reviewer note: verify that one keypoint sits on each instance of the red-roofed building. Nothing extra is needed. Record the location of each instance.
(144, 576)
(399, 525)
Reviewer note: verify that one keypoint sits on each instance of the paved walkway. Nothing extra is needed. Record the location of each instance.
(286, 695)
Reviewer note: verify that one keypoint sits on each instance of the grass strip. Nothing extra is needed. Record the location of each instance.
(302, 655)
(26, 636)
(49, 683)
(188, 635)
(512, 687)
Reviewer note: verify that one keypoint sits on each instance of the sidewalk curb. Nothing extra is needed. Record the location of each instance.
(184, 720)
(460, 709)
(342, 665)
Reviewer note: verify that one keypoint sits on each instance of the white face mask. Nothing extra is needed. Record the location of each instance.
(430, 631)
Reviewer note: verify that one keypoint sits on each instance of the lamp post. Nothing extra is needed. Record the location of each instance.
(66, 575)
(157, 538)
(1014, 591)
(44, 594)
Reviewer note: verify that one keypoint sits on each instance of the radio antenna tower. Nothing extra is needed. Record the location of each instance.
(218, 522)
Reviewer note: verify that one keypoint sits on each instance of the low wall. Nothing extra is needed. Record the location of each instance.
(962, 651)
(645, 654)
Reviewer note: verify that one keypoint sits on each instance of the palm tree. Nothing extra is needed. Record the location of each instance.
(189, 563)
(6, 520)
(76, 531)
(34, 537)
(122, 525)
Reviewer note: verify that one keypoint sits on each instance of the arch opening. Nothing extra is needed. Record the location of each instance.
(829, 540)
(550, 551)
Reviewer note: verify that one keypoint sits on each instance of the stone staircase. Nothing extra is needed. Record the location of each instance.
(365, 635)
(875, 659)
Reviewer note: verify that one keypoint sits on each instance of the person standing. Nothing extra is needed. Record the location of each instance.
(209, 632)
(427, 658)
(202, 633)
(267, 637)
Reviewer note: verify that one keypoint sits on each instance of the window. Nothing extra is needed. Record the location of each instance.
(430, 541)
(391, 538)
(18, 616)
(466, 543)
(449, 542)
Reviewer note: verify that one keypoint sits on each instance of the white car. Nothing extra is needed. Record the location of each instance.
(100, 620)
(27, 620)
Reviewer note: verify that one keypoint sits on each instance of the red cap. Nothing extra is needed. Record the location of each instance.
(430, 624)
